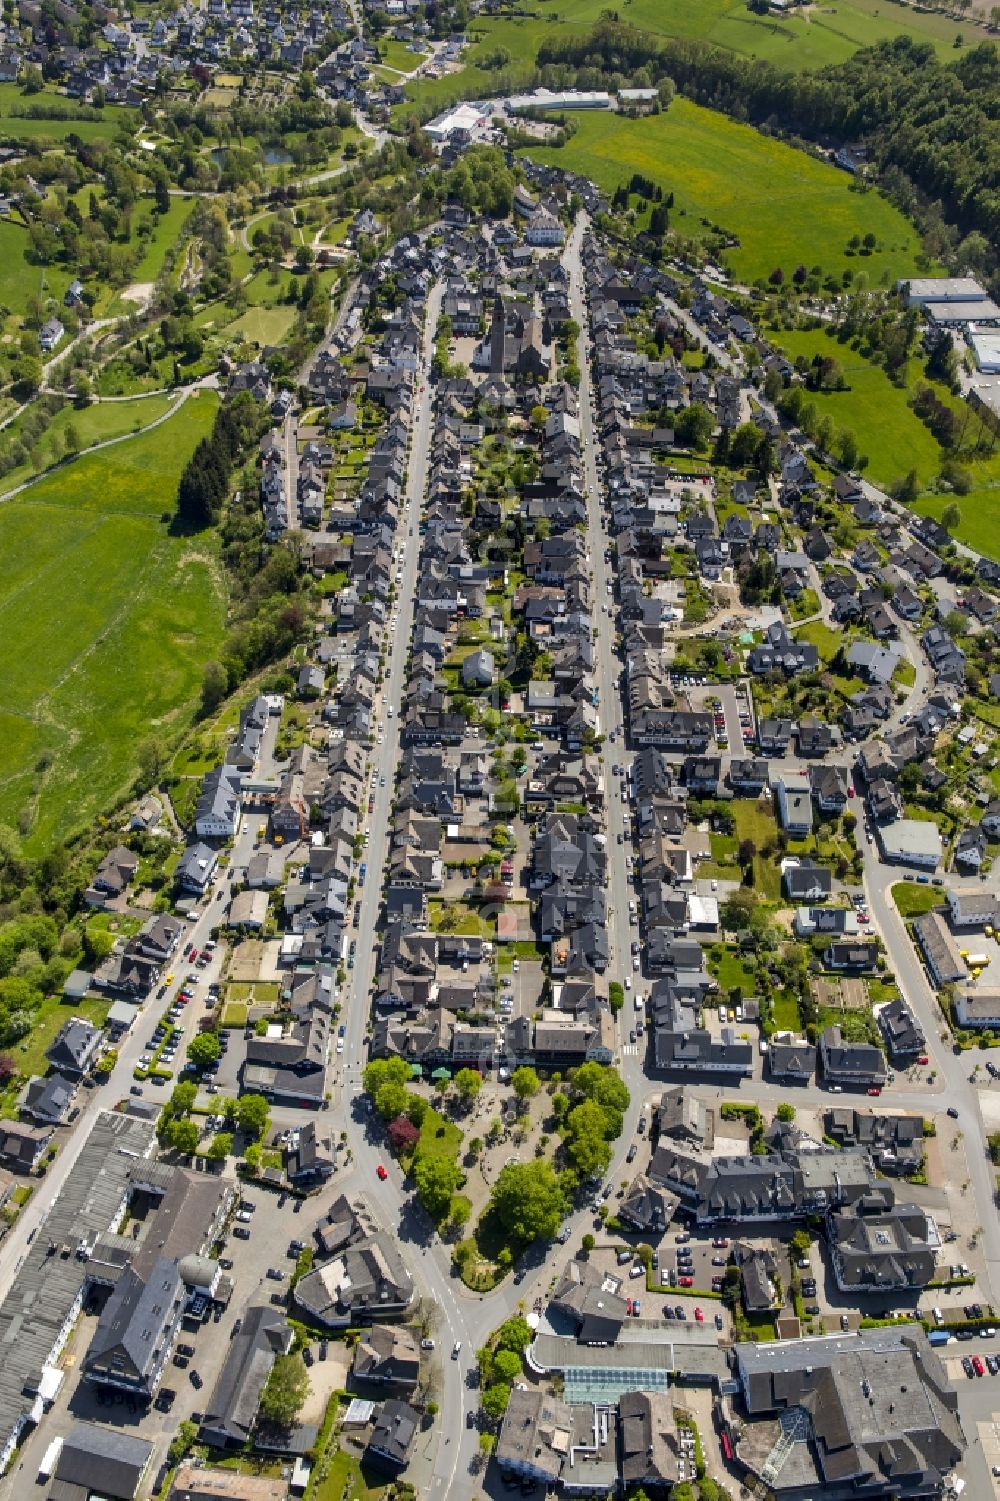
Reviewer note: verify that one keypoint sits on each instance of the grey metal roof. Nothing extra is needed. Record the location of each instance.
(48, 1285)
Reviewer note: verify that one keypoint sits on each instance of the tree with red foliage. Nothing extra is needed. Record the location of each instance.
(8, 1068)
(403, 1135)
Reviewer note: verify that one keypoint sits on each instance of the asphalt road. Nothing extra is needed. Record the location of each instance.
(429, 1262)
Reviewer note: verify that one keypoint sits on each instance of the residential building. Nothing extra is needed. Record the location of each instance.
(391, 1441)
(804, 880)
(366, 1280)
(875, 1247)
(96, 1459)
(978, 1007)
(903, 1034)
(387, 1354)
(910, 841)
(136, 1331)
(851, 1065)
(973, 908)
(75, 1047)
(534, 1438)
(793, 790)
(791, 1062)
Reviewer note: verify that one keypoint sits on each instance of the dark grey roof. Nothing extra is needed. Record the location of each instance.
(104, 1460)
(232, 1408)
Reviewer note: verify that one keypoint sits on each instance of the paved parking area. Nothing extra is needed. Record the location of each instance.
(731, 705)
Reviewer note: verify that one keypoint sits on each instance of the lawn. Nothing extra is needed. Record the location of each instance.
(29, 1055)
(107, 620)
(263, 325)
(342, 1476)
(912, 899)
(785, 1012)
(826, 640)
(754, 820)
(727, 966)
(439, 1138)
(55, 130)
(397, 55)
(457, 917)
(727, 173)
(895, 440)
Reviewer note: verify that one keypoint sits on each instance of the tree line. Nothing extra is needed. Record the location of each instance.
(204, 485)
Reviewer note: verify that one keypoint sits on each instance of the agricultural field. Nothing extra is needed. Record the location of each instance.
(896, 441)
(107, 620)
(786, 208)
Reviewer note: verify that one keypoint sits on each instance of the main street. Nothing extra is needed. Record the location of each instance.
(429, 1262)
(607, 668)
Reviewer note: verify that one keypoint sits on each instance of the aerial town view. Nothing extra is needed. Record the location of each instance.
(499, 750)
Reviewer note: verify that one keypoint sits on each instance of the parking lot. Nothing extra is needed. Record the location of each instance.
(732, 705)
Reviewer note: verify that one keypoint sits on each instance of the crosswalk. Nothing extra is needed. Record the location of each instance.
(631, 1050)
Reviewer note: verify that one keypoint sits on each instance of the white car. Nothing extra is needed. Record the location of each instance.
(457, 1349)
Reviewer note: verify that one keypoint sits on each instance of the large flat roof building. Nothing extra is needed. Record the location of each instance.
(921, 289)
(867, 1414)
(910, 841)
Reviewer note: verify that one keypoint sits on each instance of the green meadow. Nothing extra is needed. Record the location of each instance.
(804, 39)
(107, 620)
(786, 208)
(896, 441)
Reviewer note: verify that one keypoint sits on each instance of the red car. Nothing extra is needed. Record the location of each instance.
(874, 1091)
(720, 1242)
(382, 1174)
(685, 1282)
(699, 1316)
(923, 1058)
(628, 1305)
(977, 1366)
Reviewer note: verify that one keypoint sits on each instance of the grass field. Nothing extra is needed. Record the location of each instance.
(823, 35)
(397, 55)
(896, 441)
(22, 280)
(107, 620)
(93, 424)
(166, 232)
(263, 325)
(912, 899)
(785, 207)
